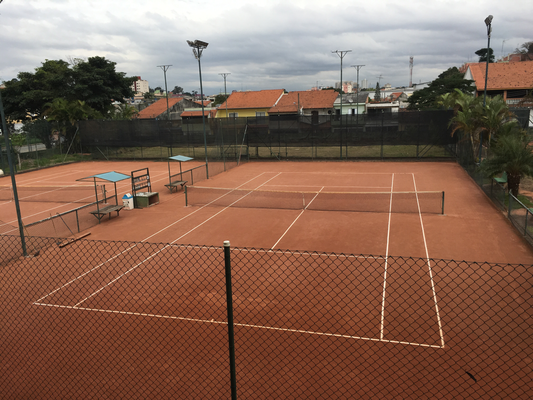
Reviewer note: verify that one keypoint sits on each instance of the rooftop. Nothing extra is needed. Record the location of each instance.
(502, 76)
(159, 107)
(253, 99)
(305, 100)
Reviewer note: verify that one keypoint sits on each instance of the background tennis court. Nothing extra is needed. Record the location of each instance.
(360, 306)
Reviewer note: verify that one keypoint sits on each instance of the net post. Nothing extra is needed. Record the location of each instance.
(185, 191)
(229, 302)
(443, 202)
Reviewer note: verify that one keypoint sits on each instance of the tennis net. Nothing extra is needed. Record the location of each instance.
(384, 202)
(58, 194)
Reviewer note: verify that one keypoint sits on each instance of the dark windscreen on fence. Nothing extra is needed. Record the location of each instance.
(417, 134)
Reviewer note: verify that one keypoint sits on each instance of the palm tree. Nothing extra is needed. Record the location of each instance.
(511, 154)
(123, 112)
(63, 112)
(493, 116)
(466, 117)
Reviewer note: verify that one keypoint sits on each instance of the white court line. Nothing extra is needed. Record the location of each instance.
(382, 325)
(120, 185)
(128, 249)
(301, 331)
(429, 267)
(296, 219)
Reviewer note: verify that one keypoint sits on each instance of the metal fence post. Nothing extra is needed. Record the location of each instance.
(229, 303)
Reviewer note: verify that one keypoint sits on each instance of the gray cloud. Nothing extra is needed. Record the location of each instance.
(275, 44)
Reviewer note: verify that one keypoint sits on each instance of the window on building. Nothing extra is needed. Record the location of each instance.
(233, 115)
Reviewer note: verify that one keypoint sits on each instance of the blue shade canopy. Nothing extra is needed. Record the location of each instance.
(107, 176)
(181, 158)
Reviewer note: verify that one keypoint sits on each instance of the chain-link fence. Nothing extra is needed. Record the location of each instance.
(96, 319)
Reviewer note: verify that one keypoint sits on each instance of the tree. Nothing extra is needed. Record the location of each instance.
(94, 81)
(149, 96)
(98, 84)
(66, 114)
(26, 96)
(377, 96)
(511, 154)
(446, 82)
(123, 112)
(177, 90)
(39, 129)
(466, 119)
(220, 99)
(526, 49)
(493, 116)
(479, 123)
(482, 53)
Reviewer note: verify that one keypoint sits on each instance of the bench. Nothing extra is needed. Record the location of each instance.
(175, 184)
(502, 180)
(107, 210)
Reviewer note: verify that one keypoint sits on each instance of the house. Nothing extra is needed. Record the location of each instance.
(196, 114)
(158, 110)
(249, 104)
(392, 102)
(352, 103)
(305, 103)
(512, 80)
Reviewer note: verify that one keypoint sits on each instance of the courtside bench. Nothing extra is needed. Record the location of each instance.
(107, 210)
(503, 179)
(174, 184)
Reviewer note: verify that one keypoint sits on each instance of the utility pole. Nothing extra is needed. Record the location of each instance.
(165, 68)
(341, 54)
(357, 67)
(224, 75)
(411, 63)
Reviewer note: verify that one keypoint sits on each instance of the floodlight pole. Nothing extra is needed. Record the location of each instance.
(341, 54)
(224, 74)
(197, 48)
(165, 68)
(5, 132)
(488, 22)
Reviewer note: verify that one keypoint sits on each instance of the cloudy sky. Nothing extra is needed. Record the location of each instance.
(266, 44)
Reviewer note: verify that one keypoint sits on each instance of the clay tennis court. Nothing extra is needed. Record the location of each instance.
(327, 296)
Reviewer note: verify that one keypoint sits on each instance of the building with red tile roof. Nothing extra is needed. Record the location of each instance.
(250, 104)
(512, 80)
(306, 103)
(208, 113)
(158, 110)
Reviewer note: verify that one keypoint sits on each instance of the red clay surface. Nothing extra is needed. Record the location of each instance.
(390, 311)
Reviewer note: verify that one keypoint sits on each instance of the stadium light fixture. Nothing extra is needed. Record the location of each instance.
(197, 48)
(488, 22)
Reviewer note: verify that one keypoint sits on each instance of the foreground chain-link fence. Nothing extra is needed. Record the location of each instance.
(96, 319)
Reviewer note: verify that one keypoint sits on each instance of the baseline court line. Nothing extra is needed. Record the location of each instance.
(336, 335)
